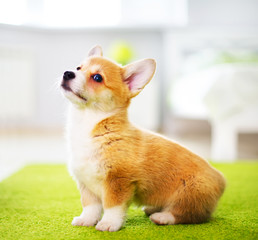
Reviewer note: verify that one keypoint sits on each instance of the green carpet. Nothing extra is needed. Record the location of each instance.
(40, 201)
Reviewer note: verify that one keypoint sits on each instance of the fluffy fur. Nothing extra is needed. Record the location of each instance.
(115, 163)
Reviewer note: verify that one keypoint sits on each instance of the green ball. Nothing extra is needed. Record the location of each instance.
(122, 53)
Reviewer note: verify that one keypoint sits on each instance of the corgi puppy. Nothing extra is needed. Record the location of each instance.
(114, 163)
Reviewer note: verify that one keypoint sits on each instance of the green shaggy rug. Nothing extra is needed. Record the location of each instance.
(40, 201)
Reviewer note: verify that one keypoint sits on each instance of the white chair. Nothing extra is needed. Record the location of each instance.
(225, 134)
(227, 95)
(232, 106)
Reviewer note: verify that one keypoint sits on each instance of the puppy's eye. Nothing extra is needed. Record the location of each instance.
(97, 77)
(78, 68)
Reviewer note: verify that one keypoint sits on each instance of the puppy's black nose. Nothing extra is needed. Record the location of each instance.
(68, 75)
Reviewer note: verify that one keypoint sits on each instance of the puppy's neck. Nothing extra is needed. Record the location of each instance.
(115, 123)
(96, 122)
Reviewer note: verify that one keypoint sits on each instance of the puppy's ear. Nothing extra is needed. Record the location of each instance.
(136, 75)
(96, 51)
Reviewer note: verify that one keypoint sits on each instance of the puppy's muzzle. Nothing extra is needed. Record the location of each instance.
(68, 75)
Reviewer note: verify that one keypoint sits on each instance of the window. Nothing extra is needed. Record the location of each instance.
(61, 13)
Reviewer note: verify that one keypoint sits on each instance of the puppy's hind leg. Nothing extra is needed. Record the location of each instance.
(163, 218)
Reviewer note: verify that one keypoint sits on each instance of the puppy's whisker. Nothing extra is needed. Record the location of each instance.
(55, 86)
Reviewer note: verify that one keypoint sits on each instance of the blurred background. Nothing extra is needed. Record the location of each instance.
(203, 95)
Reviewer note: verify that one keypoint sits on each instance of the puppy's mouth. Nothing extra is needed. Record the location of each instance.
(67, 88)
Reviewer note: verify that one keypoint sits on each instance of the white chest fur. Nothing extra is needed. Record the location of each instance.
(84, 164)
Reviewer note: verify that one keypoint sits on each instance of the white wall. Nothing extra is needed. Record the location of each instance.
(225, 13)
(56, 51)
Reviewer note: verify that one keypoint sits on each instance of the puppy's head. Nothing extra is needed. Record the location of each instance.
(101, 84)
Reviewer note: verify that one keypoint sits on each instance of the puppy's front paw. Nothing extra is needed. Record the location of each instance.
(110, 226)
(84, 221)
(112, 220)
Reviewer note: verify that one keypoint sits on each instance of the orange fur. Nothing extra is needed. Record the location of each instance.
(140, 166)
(154, 171)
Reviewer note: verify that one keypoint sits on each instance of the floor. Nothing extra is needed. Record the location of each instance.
(17, 150)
